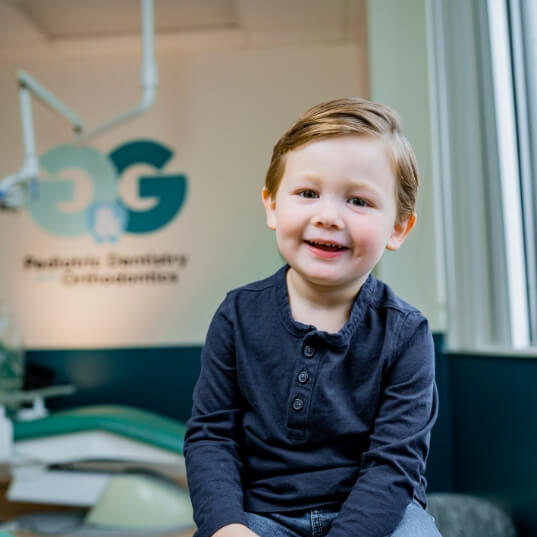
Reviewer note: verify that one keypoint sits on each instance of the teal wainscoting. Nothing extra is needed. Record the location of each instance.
(493, 404)
(160, 379)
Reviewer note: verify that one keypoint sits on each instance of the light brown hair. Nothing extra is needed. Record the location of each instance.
(352, 116)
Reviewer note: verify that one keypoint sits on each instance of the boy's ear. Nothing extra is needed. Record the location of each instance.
(270, 208)
(400, 231)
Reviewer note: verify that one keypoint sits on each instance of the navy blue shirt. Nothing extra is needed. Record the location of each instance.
(287, 417)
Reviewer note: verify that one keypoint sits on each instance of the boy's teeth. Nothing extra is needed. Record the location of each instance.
(326, 245)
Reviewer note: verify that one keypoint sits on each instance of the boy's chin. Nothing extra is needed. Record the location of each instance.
(330, 280)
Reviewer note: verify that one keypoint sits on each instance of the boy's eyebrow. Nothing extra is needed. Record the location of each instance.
(361, 184)
(312, 176)
(354, 183)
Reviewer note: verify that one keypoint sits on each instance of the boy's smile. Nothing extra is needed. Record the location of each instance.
(335, 211)
(326, 249)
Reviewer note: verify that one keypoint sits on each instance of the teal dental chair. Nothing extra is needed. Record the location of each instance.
(121, 465)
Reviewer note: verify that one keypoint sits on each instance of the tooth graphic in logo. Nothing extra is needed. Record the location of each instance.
(107, 221)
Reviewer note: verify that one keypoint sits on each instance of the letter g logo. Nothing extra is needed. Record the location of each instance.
(106, 217)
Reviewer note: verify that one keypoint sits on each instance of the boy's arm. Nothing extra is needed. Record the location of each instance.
(213, 450)
(395, 460)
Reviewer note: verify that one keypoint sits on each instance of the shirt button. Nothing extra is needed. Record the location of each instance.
(303, 377)
(309, 351)
(298, 404)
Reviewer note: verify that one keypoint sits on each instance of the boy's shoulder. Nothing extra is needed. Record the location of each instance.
(256, 299)
(383, 297)
(258, 293)
(260, 285)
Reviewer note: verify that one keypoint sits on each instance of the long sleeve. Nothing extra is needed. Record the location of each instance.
(394, 462)
(213, 438)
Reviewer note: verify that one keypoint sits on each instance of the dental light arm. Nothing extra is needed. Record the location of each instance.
(11, 193)
(47, 98)
(11, 190)
(148, 76)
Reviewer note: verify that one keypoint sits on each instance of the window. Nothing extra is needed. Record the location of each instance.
(485, 72)
(523, 40)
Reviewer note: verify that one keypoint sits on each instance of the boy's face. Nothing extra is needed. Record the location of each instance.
(335, 210)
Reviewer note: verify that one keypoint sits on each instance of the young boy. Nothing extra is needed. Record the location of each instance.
(316, 398)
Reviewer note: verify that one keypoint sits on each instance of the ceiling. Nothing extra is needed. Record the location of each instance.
(65, 27)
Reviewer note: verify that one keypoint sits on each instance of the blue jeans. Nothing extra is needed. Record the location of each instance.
(416, 522)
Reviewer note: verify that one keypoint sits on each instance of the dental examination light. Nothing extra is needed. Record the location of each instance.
(12, 186)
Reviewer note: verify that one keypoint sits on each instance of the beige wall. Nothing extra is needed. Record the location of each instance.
(221, 112)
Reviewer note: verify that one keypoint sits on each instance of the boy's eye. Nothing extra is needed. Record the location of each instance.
(359, 202)
(309, 194)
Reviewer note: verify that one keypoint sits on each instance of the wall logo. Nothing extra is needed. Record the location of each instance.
(107, 217)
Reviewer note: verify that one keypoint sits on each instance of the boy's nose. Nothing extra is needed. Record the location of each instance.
(328, 216)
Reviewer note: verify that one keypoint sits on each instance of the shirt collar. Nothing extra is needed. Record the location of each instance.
(359, 308)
